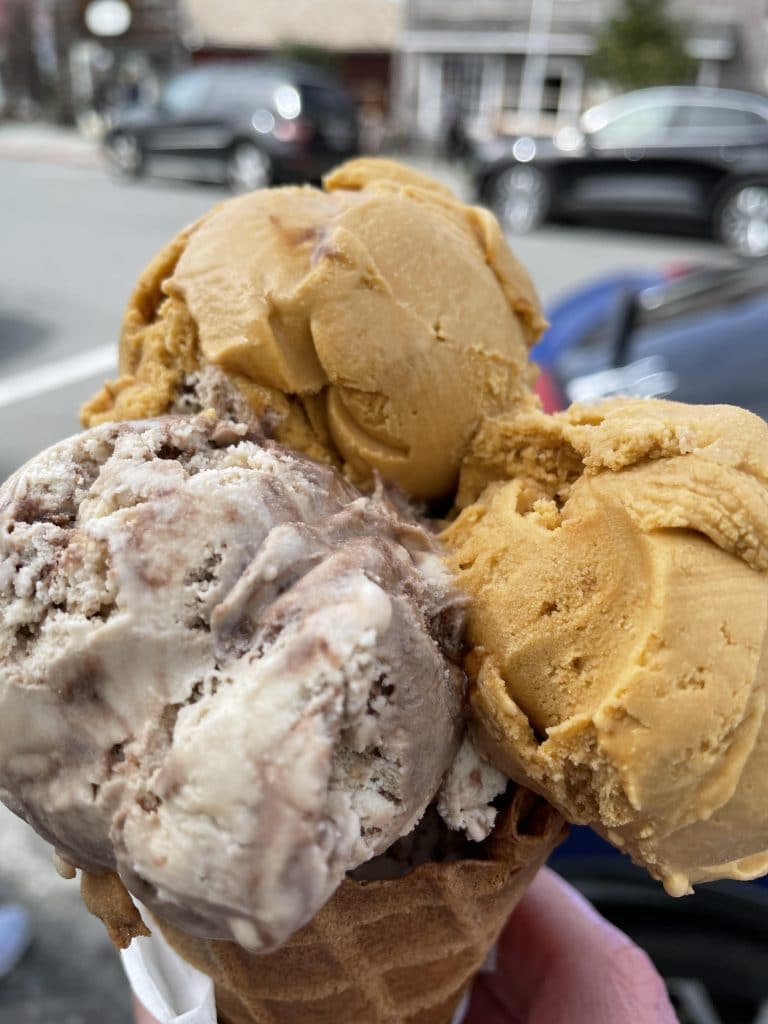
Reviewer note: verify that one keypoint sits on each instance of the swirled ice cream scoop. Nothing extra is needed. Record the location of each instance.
(223, 673)
(379, 319)
(619, 585)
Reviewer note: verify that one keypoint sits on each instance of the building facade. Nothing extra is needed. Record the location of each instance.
(73, 59)
(507, 65)
(358, 40)
(109, 70)
(90, 63)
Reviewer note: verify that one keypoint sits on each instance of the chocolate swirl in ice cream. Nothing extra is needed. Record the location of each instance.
(223, 672)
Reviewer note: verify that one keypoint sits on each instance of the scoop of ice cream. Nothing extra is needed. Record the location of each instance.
(223, 673)
(378, 319)
(619, 608)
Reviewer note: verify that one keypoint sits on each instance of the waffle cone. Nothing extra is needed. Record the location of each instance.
(399, 951)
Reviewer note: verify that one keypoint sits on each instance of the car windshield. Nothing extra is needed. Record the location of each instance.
(635, 127)
(185, 93)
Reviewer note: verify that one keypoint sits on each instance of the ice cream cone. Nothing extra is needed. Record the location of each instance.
(399, 951)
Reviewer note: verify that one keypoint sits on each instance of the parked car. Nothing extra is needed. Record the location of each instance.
(250, 123)
(688, 154)
(700, 336)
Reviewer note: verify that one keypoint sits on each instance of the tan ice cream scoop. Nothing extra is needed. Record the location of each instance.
(379, 319)
(619, 586)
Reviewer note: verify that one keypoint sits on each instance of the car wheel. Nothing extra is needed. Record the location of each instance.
(741, 219)
(125, 155)
(520, 198)
(248, 168)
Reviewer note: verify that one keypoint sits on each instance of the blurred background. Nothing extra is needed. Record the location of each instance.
(622, 143)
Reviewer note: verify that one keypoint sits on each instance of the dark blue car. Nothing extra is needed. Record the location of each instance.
(700, 337)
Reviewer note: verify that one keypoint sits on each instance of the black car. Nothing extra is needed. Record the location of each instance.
(250, 123)
(676, 154)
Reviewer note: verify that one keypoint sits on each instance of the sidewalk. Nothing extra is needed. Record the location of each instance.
(71, 974)
(50, 143)
(47, 143)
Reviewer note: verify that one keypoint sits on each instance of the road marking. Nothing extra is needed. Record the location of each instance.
(53, 376)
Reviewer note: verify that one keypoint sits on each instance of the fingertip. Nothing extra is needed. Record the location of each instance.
(637, 974)
(561, 962)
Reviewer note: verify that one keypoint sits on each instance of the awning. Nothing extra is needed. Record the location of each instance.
(437, 41)
(362, 26)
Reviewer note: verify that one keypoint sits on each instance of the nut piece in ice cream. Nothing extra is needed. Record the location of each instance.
(223, 673)
(619, 608)
(378, 319)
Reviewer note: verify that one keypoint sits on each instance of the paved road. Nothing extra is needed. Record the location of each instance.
(73, 243)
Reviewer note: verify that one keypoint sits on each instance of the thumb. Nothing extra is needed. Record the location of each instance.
(560, 962)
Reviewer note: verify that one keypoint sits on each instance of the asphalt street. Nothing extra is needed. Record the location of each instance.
(73, 242)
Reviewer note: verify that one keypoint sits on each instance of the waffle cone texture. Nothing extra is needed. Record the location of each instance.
(399, 951)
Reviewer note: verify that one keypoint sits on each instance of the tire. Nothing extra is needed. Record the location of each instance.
(520, 198)
(125, 155)
(741, 219)
(248, 168)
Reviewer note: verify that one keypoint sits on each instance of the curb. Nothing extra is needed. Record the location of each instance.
(49, 152)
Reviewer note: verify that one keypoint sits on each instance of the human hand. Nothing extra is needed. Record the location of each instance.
(560, 962)
(142, 1016)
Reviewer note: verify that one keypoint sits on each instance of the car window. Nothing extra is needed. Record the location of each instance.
(185, 94)
(635, 128)
(235, 91)
(699, 116)
(253, 89)
(321, 99)
(222, 93)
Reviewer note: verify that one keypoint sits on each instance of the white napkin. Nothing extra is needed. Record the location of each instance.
(171, 989)
(176, 993)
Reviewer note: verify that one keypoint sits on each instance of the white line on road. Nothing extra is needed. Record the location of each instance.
(57, 375)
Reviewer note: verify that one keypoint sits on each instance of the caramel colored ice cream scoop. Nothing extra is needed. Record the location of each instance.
(378, 319)
(619, 612)
(224, 674)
